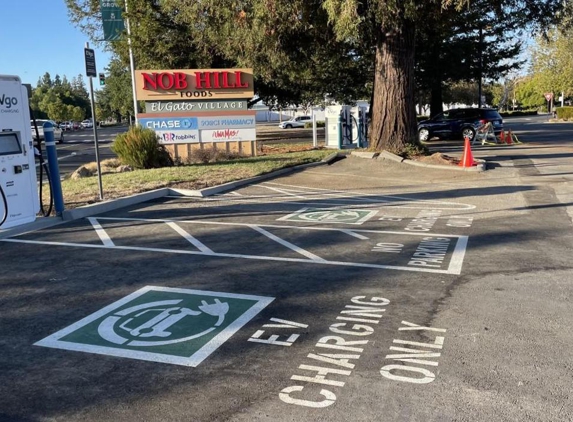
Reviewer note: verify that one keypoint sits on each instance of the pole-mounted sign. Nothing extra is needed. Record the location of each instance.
(90, 62)
(112, 20)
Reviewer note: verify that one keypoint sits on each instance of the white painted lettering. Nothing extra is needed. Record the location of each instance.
(335, 359)
(360, 330)
(283, 323)
(412, 327)
(375, 301)
(437, 344)
(329, 398)
(320, 378)
(428, 376)
(273, 339)
(341, 344)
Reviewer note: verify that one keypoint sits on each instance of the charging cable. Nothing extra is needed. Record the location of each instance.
(5, 202)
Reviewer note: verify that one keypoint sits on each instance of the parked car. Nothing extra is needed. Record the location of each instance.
(58, 133)
(459, 123)
(65, 125)
(298, 121)
(87, 124)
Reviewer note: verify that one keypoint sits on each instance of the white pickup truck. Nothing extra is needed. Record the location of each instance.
(58, 133)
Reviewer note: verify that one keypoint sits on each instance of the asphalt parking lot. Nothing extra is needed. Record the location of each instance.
(290, 299)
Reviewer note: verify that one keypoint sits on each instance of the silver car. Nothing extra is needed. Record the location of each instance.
(58, 133)
(298, 121)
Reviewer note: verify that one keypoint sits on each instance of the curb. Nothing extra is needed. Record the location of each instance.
(481, 166)
(366, 155)
(114, 204)
(43, 223)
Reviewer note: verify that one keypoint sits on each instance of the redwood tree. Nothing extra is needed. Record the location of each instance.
(393, 25)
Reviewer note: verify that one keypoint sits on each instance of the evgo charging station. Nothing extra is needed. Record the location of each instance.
(19, 202)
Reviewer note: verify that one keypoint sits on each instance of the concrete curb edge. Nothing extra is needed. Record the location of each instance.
(481, 166)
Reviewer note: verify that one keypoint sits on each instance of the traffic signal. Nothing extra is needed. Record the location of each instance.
(102, 79)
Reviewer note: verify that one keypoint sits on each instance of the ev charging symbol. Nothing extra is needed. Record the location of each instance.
(163, 316)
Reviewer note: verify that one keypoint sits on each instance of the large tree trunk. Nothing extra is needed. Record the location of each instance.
(394, 109)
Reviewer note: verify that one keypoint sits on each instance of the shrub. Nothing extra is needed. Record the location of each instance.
(211, 155)
(518, 113)
(565, 113)
(318, 124)
(139, 148)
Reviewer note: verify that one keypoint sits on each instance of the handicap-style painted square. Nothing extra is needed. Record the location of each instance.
(161, 324)
(330, 216)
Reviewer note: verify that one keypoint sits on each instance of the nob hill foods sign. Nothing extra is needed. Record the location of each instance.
(196, 108)
(197, 84)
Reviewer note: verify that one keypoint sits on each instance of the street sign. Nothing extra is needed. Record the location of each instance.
(90, 62)
(548, 96)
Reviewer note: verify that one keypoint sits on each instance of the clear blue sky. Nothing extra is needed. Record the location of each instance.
(36, 37)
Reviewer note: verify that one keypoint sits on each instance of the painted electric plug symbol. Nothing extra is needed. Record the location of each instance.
(158, 325)
(215, 309)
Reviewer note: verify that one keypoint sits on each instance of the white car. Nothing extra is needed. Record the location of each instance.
(58, 133)
(87, 124)
(298, 121)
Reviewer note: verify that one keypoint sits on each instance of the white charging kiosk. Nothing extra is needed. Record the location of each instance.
(19, 202)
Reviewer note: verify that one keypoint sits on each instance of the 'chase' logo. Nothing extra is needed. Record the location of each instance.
(8, 102)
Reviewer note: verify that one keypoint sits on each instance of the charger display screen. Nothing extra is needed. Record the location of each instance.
(9, 144)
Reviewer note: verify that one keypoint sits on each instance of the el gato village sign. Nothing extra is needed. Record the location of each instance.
(192, 107)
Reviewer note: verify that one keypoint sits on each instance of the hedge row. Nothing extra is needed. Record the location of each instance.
(318, 124)
(565, 113)
(518, 113)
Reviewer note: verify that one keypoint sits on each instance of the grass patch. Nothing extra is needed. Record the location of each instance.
(85, 190)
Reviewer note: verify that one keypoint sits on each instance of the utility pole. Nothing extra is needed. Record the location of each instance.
(131, 65)
(480, 69)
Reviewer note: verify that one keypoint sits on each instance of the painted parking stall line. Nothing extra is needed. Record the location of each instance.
(402, 251)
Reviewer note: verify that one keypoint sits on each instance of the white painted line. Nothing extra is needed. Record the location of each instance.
(227, 255)
(289, 245)
(278, 226)
(102, 234)
(60, 158)
(54, 341)
(190, 238)
(359, 196)
(235, 193)
(458, 255)
(356, 235)
(294, 214)
(284, 192)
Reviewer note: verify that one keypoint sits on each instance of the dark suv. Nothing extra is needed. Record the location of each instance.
(459, 123)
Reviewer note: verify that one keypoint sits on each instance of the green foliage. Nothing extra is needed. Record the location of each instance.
(565, 113)
(519, 113)
(115, 100)
(318, 124)
(59, 99)
(414, 149)
(140, 149)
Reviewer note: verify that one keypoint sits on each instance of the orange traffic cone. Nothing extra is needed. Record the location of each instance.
(468, 158)
(509, 138)
(502, 137)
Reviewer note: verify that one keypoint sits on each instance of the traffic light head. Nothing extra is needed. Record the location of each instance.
(102, 79)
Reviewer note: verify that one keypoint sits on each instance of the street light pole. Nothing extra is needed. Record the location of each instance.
(480, 69)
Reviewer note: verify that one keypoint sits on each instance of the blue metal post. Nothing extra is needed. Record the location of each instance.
(359, 129)
(340, 130)
(54, 169)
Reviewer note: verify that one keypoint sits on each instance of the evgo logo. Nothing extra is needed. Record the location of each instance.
(8, 102)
